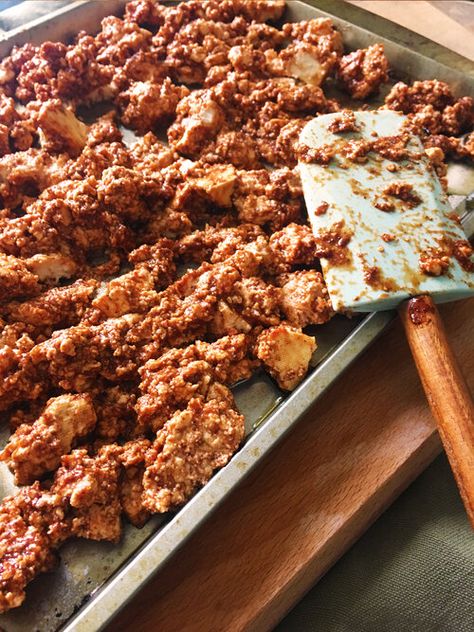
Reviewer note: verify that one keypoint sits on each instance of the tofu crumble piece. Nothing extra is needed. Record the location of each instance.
(286, 352)
(141, 279)
(36, 449)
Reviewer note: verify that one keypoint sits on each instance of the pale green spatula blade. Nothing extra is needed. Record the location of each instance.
(379, 273)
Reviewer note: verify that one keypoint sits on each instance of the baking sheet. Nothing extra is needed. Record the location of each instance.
(101, 577)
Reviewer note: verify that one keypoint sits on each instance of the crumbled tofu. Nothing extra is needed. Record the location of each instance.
(305, 299)
(15, 278)
(218, 184)
(125, 293)
(286, 353)
(227, 321)
(51, 267)
(299, 60)
(35, 449)
(199, 119)
(305, 66)
(60, 129)
(435, 154)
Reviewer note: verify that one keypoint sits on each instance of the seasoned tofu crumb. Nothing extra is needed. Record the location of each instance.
(34, 450)
(286, 353)
(141, 280)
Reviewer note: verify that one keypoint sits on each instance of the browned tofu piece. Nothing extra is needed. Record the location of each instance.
(304, 298)
(51, 267)
(16, 279)
(218, 184)
(126, 293)
(36, 449)
(191, 445)
(286, 353)
(90, 485)
(60, 129)
(300, 60)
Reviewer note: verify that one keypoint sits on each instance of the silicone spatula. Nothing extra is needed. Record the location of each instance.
(389, 239)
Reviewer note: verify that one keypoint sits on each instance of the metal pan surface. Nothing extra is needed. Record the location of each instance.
(95, 579)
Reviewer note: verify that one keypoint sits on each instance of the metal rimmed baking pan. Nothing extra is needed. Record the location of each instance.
(95, 579)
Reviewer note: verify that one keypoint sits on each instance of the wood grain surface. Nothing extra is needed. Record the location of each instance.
(352, 454)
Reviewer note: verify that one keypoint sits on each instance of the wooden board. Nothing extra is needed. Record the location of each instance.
(319, 490)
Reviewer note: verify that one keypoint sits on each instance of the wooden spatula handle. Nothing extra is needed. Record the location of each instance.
(446, 390)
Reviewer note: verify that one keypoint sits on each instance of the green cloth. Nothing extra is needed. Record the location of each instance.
(413, 571)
